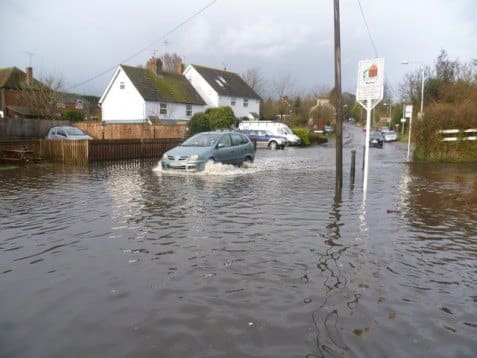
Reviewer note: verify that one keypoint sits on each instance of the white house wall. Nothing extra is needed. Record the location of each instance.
(208, 94)
(212, 98)
(123, 105)
(175, 111)
(239, 109)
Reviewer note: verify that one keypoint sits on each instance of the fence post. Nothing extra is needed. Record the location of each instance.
(353, 165)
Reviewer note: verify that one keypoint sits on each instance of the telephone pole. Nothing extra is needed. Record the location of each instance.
(338, 102)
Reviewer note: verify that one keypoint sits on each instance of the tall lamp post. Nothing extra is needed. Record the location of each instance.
(406, 62)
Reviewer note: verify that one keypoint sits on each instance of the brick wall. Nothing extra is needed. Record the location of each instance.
(132, 131)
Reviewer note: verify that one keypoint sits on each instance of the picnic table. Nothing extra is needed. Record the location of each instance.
(21, 156)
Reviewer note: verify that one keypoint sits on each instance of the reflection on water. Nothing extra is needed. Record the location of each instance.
(122, 260)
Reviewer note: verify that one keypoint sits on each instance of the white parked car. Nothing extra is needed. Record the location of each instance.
(67, 133)
(389, 136)
(277, 128)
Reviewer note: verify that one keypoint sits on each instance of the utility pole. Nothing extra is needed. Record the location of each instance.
(338, 101)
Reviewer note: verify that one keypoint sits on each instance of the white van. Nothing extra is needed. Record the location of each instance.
(276, 128)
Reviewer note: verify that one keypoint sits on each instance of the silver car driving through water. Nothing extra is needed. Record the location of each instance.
(224, 147)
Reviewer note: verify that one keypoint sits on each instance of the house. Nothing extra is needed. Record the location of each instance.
(73, 102)
(12, 83)
(23, 96)
(141, 95)
(220, 88)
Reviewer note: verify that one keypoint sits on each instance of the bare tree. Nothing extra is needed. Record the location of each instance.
(42, 96)
(253, 77)
(170, 62)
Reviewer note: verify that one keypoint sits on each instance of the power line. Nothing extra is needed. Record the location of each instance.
(367, 29)
(147, 46)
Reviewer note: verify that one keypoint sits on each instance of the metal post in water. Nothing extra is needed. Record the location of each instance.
(353, 165)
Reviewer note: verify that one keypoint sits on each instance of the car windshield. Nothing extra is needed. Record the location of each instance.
(375, 135)
(73, 131)
(202, 140)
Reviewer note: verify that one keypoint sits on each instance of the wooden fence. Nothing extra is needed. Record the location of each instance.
(28, 127)
(81, 152)
(453, 135)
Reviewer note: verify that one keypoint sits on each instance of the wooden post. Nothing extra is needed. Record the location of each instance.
(338, 104)
(353, 165)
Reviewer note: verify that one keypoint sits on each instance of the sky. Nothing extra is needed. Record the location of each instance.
(84, 41)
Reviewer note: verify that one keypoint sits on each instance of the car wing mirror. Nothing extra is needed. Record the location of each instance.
(220, 145)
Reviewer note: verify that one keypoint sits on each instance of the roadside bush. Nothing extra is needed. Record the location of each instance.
(219, 118)
(317, 138)
(428, 142)
(72, 116)
(212, 119)
(303, 134)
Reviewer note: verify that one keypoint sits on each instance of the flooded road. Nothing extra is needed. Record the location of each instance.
(122, 259)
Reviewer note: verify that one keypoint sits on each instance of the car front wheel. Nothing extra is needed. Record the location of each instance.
(273, 145)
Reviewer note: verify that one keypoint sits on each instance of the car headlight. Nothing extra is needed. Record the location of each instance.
(164, 156)
(193, 157)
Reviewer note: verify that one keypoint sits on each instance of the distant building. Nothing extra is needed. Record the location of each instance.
(220, 88)
(12, 82)
(140, 95)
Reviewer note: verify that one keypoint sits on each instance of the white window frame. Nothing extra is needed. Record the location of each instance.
(79, 104)
(245, 102)
(233, 101)
(163, 109)
(122, 85)
(189, 110)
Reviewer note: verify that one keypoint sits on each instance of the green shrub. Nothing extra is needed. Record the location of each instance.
(198, 123)
(219, 118)
(428, 142)
(317, 138)
(72, 116)
(303, 134)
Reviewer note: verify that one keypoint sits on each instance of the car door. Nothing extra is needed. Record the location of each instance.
(224, 151)
(240, 150)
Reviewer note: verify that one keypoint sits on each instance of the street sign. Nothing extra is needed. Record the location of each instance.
(408, 111)
(403, 120)
(369, 92)
(370, 80)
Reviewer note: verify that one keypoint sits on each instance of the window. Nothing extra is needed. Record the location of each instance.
(122, 85)
(60, 104)
(163, 108)
(79, 104)
(236, 139)
(245, 102)
(189, 110)
(225, 140)
(232, 101)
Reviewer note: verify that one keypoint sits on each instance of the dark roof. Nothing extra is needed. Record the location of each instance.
(167, 87)
(14, 78)
(67, 97)
(227, 83)
(24, 110)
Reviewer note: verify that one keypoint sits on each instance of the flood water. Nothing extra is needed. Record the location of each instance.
(122, 260)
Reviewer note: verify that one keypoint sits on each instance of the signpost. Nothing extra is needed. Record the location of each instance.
(369, 93)
(408, 114)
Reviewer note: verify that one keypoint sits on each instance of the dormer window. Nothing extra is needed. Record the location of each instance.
(79, 104)
(122, 85)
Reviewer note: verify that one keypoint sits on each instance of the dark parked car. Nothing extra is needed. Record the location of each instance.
(265, 138)
(225, 147)
(376, 139)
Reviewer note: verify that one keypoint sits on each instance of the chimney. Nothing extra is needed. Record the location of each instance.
(179, 67)
(155, 65)
(29, 75)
